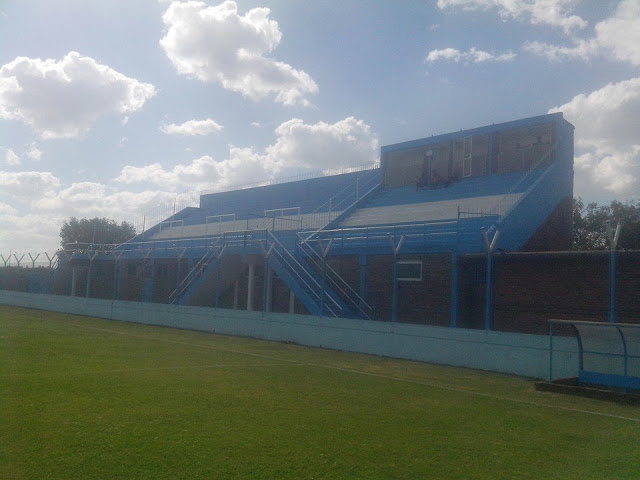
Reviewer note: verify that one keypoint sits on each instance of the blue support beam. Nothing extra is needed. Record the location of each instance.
(488, 323)
(394, 289)
(453, 321)
(612, 286)
(363, 279)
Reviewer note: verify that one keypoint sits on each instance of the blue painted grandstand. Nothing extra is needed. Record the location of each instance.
(505, 187)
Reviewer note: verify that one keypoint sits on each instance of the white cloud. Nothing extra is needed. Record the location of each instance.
(215, 44)
(62, 99)
(320, 146)
(36, 228)
(346, 143)
(33, 152)
(607, 139)
(556, 13)
(620, 34)
(28, 186)
(6, 209)
(472, 55)
(11, 158)
(616, 37)
(23, 233)
(192, 128)
(581, 49)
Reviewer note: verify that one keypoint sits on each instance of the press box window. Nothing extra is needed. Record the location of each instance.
(409, 270)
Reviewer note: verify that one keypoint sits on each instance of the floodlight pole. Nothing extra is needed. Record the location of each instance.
(613, 244)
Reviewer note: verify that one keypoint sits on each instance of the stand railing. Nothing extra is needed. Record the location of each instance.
(510, 199)
(333, 207)
(336, 282)
(316, 292)
(195, 273)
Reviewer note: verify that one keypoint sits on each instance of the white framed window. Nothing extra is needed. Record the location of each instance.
(409, 271)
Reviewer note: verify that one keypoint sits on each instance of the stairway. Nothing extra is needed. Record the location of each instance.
(304, 283)
(197, 274)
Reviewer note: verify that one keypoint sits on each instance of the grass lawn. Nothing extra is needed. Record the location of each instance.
(87, 398)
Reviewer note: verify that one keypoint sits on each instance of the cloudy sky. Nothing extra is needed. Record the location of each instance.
(112, 108)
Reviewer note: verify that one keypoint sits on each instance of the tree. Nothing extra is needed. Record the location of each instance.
(96, 231)
(590, 225)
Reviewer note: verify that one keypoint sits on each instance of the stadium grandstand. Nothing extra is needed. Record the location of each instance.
(411, 239)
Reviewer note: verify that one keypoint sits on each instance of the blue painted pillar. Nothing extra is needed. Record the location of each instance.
(178, 272)
(265, 282)
(324, 288)
(363, 279)
(88, 289)
(394, 290)
(488, 320)
(612, 286)
(150, 282)
(490, 246)
(394, 300)
(116, 280)
(453, 322)
(614, 235)
(218, 267)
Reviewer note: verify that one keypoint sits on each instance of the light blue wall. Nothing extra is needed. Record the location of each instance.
(519, 354)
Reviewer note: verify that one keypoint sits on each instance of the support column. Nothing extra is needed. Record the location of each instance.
(218, 268)
(488, 317)
(87, 292)
(292, 302)
(453, 321)
(363, 279)
(251, 286)
(394, 290)
(394, 275)
(324, 251)
(269, 290)
(489, 245)
(178, 272)
(236, 287)
(116, 280)
(613, 244)
(153, 279)
(74, 278)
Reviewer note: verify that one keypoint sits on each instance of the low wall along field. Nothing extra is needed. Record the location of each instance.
(512, 353)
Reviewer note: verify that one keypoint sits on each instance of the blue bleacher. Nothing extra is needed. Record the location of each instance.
(307, 194)
(465, 188)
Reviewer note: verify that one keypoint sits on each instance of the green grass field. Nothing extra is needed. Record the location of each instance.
(87, 398)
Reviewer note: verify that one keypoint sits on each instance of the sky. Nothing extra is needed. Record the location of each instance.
(122, 109)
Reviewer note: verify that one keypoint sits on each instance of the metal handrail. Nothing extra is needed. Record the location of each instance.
(346, 289)
(509, 195)
(300, 268)
(194, 273)
(329, 207)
